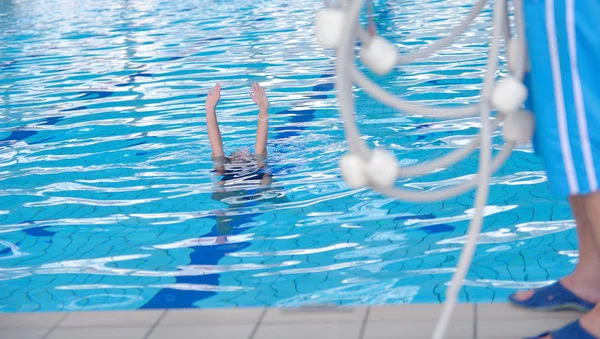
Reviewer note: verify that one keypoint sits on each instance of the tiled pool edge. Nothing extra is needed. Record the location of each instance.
(480, 321)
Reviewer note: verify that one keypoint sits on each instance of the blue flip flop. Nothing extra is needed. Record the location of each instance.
(571, 331)
(554, 297)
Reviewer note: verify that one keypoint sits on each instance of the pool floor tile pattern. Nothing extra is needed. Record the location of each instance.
(470, 321)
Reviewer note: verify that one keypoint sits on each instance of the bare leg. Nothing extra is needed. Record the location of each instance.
(262, 131)
(585, 280)
(591, 320)
(214, 133)
(589, 207)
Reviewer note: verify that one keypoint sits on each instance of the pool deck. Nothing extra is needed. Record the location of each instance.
(481, 321)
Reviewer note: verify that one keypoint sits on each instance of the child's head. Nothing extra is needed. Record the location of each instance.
(241, 156)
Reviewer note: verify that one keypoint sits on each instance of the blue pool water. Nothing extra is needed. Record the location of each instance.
(106, 190)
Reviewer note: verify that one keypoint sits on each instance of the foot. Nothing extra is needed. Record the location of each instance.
(591, 322)
(574, 330)
(582, 288)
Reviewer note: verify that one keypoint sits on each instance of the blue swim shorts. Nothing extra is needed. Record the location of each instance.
(563, 38)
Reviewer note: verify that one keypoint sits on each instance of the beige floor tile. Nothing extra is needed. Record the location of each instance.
(309, 331)
(231, 331)
(424, 312)
(215, 316)
(99, 333)
(112, 318)
(518, 328)
(315, 315)
(416, 329)
(30, 320)
(507, 311)
(23, 333)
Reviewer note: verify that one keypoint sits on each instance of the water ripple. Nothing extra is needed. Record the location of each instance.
(518, 232)
(109, 198)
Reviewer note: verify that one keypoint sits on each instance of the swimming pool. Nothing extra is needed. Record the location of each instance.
(106, 190)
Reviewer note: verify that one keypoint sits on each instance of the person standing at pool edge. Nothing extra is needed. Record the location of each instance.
(564, 95)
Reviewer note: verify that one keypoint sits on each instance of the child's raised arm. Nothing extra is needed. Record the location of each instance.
(262, 131)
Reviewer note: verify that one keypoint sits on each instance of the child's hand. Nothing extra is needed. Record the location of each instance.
(212, 99)
(259, 96)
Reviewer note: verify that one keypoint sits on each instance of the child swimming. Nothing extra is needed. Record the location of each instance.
(240, 161)
(240, 168)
